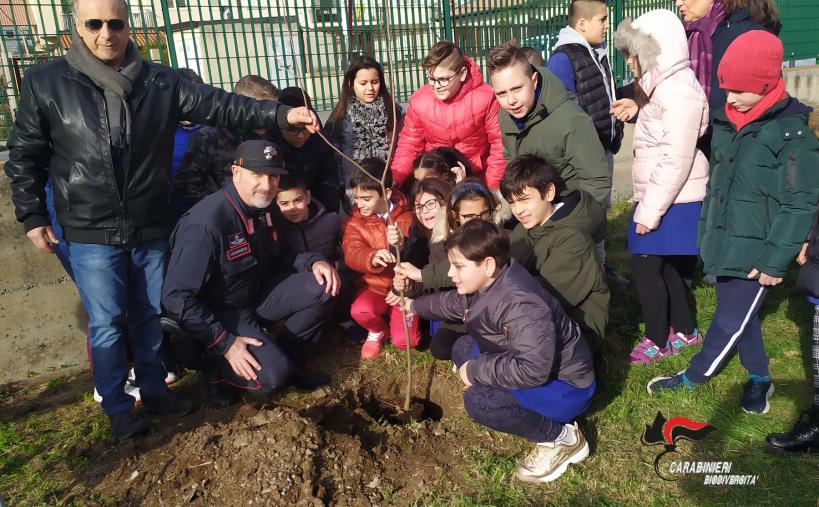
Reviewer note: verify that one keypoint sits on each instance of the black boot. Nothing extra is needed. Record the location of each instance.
(171, 404)
(125, 425)
(804, 436)
(221, 395)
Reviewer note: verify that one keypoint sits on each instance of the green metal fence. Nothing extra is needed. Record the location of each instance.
(279, 39)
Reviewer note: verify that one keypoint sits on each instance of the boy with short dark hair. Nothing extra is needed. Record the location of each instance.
(367, 252)
(455, 109)
(526, 365)
(580, 61)
(304, 222)
(550, 241)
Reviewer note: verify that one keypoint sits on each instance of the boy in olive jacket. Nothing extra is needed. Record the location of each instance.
(540, 118)
(552, 241)
(759, 203)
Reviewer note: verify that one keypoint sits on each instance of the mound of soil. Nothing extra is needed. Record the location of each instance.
(349, 445)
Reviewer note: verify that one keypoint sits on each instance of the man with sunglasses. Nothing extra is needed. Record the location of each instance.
(455, 109)
(100, 123)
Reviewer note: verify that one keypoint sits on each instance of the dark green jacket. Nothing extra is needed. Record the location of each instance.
(562, 254)
(761, 194)
(560, 131)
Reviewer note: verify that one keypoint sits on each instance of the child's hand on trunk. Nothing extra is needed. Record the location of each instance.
(383, 258)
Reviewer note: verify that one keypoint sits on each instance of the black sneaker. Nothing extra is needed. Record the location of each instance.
(125, 425)
(171, 404)
(309, 379)
(615, 279)
(803, 437)
(755, 394)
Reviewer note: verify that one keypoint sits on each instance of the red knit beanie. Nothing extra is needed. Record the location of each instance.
(752, 63)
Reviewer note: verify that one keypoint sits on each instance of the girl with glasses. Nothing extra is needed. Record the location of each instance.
(468, 200)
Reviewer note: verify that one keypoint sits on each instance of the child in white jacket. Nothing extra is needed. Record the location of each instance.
(669, 177)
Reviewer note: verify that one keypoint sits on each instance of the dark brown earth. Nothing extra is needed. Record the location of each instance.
(347, 444)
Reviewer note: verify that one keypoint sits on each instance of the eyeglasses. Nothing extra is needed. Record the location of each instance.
(429, 206)
(296, 130)
(483, 215)
(443, 82)
(95, 25)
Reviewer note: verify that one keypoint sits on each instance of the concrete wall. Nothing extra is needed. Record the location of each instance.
(42, 322)
(803, 83)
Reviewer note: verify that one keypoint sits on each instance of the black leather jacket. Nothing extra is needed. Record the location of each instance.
(61, 132)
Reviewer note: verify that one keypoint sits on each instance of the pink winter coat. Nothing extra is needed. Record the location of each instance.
(668, 167)
(468, 122)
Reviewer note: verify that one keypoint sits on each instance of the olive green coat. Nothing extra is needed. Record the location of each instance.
(558, 130)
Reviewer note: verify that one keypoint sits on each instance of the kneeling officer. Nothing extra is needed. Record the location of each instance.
(228, 272)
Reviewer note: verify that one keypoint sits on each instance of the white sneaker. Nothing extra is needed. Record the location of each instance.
(548, 461)
(170, 379)
(130, 390)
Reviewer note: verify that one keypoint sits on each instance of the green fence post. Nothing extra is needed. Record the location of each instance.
(166, 22)
(447, 14)
(619, 68)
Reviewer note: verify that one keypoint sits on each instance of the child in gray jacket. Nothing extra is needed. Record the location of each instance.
(526, 365)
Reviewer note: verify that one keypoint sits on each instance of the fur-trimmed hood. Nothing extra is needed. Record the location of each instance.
(658, 40)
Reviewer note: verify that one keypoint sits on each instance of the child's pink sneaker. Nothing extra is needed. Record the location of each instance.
(646, 352)
(372, 345)
(676, 341)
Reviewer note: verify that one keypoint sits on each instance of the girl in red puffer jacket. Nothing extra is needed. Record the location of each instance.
(456, 109)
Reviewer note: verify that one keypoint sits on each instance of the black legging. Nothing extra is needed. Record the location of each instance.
(663, 283)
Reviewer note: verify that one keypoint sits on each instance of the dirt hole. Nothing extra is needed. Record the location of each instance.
(392, 412)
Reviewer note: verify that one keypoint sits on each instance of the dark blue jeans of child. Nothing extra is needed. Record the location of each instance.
(536, 413)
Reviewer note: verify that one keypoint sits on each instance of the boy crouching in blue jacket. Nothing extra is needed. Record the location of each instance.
(527, 368)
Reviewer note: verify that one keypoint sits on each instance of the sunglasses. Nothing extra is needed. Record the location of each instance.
(297, 130)
(95, 25)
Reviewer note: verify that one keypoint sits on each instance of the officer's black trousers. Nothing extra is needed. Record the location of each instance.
(299, 301)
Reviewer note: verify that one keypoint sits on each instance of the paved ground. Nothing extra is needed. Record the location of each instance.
(42, 321)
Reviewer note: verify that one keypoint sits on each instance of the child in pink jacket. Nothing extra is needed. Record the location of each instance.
(669, 177)
(455, 109)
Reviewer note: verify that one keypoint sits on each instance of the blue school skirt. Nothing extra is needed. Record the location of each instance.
(676, 235)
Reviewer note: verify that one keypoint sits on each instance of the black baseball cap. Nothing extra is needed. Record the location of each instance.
(260, 156)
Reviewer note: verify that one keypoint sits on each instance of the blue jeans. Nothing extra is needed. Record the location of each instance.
(61, 248)
(115, 282)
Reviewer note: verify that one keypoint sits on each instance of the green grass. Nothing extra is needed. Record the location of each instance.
(36, 450)
(619, 470)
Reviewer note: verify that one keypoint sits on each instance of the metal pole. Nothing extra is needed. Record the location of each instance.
(447, 14)
(166, 22)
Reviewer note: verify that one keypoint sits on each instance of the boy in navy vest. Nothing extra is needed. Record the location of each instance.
(580, 61)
